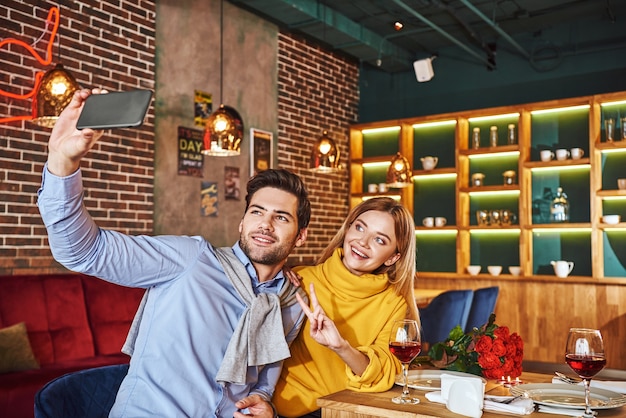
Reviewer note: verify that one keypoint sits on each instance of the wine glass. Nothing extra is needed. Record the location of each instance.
(405, 343)
(584, 353)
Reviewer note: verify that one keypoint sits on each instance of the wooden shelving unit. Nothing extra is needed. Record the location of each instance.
(595, 294)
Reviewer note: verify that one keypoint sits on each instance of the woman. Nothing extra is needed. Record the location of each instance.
(362, 283)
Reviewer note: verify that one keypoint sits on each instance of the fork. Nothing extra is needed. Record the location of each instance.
(567, 379)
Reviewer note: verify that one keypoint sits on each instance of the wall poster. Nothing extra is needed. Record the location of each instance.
(203, 107)
(260, 151)
(190, 157)
(208, 198)
(231, 183)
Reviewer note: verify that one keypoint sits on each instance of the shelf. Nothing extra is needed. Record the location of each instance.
(530, 241)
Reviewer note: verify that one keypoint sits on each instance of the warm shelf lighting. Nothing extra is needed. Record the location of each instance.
(511, 231)
(380, 130)
(559, 109)
(376, 165)
(609, 104)
(494, 117)
(613, 151)
(494, 193)
(433, 177)
(562, 168)
(559, 230)
(54, 93)
(434, 124)
(399, 174)
(494, 155)
(325, 155)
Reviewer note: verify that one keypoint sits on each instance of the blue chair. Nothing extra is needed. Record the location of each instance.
(483, 305)
(444, 312)
(86, 393)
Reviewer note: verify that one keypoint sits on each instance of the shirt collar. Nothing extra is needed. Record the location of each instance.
(276, 281)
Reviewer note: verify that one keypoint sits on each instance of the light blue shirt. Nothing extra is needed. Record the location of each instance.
(190, 314)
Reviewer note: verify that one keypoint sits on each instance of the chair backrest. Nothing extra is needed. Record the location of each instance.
(444, 312)
(483, 304)
(86, 393)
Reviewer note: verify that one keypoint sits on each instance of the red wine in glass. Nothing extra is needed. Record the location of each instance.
(584, 353)
(585, 366)
(405, 343)
(405, 352)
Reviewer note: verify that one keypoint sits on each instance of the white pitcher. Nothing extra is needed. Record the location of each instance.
(562, 268)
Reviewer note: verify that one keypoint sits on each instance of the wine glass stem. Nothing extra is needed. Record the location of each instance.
(405, 373)
(588, 411)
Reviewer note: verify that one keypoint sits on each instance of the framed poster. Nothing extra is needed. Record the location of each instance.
(260, 150)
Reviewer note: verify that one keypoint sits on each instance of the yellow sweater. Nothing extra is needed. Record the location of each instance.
(363, 308)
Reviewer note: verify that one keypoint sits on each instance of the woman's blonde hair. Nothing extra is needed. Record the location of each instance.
(402, 273)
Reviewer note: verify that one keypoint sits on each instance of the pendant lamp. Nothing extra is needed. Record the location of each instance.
(325, 155)
(54, 93)
(399, 174)
(223, 131)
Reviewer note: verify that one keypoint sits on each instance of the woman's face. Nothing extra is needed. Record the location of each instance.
(370, 242)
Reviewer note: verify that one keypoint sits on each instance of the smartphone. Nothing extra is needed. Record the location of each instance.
(119, 109)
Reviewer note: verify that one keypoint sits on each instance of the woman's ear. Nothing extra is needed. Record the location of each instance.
(392, 260)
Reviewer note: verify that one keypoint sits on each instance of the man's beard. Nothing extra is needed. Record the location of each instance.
(267, 256)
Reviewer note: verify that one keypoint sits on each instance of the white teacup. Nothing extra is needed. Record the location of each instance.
(515, 270)
(562, 268)
(473, 270)
(428, 222)
(577, 153)
(382, 187)
(611, 219)
(621, 184)
(494, 270)
(440, 221)
(561, 154)
(546, 155)
(372, 188)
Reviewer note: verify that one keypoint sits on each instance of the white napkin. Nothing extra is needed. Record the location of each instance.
(463, 395)
(559, 411)
(520, 406)
(612, 385)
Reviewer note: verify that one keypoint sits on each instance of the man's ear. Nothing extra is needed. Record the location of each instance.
(301, 237)
(240, 226)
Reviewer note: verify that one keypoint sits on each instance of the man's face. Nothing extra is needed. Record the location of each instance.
(269, 228)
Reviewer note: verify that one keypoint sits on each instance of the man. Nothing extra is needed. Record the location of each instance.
(189, 343)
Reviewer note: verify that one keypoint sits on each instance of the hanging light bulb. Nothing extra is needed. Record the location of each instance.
(223, 131)
(399, 173)
(54, 93)
(325, 155)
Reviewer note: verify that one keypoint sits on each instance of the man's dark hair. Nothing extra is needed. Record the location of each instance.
(283, 180)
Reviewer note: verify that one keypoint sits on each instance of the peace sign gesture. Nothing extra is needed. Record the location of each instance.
(323, 329)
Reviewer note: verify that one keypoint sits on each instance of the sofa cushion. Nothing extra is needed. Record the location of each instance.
(53, 309)
(110, 309)
(15, 351)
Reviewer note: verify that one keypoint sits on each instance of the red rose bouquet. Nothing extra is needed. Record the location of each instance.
(490, 351)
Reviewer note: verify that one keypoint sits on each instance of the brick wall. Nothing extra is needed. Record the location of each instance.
(103, 44)
(106, 45)
(318, 90)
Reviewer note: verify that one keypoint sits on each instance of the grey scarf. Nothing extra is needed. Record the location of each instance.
(259, 337)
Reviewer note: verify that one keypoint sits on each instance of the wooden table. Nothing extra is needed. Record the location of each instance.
(424, 296)
(349, 404)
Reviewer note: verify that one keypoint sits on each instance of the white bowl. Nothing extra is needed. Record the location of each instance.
(473, 270)
(611, 219)
(515, 270)
(494, 270)
(621, 184)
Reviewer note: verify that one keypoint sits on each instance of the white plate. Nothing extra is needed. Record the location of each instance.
(428, 379)
(569, 396)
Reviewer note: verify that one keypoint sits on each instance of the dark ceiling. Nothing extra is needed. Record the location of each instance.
(540, 31)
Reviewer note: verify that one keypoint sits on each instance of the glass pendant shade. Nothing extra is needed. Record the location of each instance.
(325, 155)
(223, 133)
(399, 173)
(53, 94)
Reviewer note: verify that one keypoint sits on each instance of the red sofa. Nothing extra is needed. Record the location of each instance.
(73, 321)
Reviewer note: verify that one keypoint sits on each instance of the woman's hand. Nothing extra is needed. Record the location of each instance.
(292, 276)
(323, 329)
